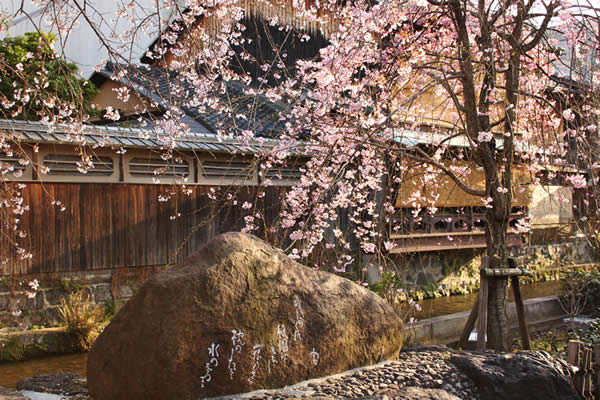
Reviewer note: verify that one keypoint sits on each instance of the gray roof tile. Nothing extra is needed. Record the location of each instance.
(38, 132)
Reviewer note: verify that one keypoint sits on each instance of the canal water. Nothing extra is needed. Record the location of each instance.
(11, 373)
(453, 304)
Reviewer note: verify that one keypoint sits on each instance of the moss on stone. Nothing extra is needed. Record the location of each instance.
(11, 350)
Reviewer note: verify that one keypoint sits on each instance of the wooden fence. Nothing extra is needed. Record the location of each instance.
(112, 225)
(587, 376)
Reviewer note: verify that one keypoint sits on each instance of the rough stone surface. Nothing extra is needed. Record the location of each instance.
(307, 323)
(7, 394)
(524, 375)
(24, 345)
(63, 383)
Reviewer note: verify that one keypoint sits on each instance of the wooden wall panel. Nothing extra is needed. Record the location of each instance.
(124, 225)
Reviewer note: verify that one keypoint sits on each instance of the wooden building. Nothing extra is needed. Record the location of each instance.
(113, 217)
(133, 209)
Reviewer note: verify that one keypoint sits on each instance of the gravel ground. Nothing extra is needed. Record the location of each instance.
(414, 368)
(424, 373)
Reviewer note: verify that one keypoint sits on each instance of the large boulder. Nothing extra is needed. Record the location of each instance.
(527, 375)
(238, 315)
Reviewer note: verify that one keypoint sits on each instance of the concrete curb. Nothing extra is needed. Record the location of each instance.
(541, 313)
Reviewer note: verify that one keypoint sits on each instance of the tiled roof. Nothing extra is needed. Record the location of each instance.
(261, 115)
(39, 132)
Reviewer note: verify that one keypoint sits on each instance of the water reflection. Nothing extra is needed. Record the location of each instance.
(11, 373)
(453, 304)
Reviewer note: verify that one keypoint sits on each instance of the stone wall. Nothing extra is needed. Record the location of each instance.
(459, 270)
(107, 288)
(447, 271)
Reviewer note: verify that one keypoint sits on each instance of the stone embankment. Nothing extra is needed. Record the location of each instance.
(426, 373)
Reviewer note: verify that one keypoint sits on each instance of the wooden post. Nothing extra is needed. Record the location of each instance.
(574, 359)
(586, 389)
(464, 337)
(596, 373)
(121, 168)
(482, 317)
(523, 329)
(36, 165)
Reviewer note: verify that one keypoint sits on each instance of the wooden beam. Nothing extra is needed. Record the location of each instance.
(500, 272)
(447, 242)
(483, 304)
(466, 333)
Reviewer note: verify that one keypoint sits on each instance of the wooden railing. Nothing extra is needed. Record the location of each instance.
(587, 371)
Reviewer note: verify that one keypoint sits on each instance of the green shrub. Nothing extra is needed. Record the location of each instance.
(589, 334)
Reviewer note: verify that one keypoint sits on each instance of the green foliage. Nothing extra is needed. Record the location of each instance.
(11, 351)
(70, 286)
(110, 309)
(82, 318)
(552, 341)
(589, 334)
(36, 82)
(388, 285)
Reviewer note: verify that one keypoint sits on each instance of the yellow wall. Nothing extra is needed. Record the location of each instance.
(442, 191)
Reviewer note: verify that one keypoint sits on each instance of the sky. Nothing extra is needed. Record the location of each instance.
(82, 46)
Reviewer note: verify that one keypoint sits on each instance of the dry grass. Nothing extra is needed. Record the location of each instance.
(82, 318)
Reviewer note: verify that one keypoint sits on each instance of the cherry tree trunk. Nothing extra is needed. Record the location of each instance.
(497, 327)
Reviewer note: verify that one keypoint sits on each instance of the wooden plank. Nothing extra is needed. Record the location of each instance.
(110, 225)
(132, 229)
(573, 347)
(155, 250)
(523, 328)
(574, 358)
(104, 241)
(120, 221)
(482, 313)
(597, 371)
(74, 245)
(436, 234)
(141, 233)
(586, 389)
(35, 226)
(499, 272)
(466, 333)
(448, 242)
(48, 232)
(63, 259)
(171, 226)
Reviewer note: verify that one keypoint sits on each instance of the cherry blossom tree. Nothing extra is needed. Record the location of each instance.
(479, 71)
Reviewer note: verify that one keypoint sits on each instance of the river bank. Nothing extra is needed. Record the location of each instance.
(419, 373)
(442, 309)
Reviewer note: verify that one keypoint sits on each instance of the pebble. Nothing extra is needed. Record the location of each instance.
(425, 369)
(417, 368)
